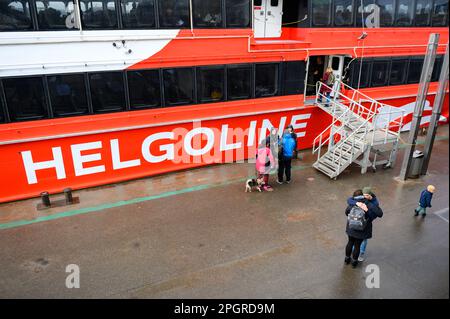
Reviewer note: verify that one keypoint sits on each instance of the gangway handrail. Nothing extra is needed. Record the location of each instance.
(321, 143)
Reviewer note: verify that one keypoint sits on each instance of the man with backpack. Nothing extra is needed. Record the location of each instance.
(288, 146)
(359, 225)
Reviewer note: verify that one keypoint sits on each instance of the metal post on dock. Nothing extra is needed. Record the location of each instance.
(437, 109)
(45, 199)
(68, 196)
(424, 84)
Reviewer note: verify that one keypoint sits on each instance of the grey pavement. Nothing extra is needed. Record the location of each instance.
(219, 242)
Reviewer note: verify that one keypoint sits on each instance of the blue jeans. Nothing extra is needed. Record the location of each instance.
(421, 210)
(363, 247)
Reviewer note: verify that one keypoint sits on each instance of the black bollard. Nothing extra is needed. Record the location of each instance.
(68, 195)
(45, 199)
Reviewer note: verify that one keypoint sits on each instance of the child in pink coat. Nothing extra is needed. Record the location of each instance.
(264, 164)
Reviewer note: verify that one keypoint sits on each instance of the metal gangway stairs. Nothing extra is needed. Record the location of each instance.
(363, 131)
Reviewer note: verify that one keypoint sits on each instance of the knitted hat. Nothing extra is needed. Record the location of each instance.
(367, 190)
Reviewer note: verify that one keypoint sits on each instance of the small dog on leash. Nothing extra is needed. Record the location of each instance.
(258, 183)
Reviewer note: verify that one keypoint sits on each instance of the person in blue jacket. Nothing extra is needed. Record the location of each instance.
(288, 147)
(425, 201)
(351, 201)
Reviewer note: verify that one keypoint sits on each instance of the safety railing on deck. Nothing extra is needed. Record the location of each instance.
(374, 117)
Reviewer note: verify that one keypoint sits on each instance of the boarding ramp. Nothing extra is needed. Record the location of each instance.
(363, 131)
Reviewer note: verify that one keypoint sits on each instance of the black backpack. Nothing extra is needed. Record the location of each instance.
(357, 218)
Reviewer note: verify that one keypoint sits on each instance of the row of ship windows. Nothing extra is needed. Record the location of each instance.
(53, 96)
(377, 72)
(382, 13)
(16, 15)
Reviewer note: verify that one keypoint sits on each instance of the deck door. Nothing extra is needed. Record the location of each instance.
(268, 18)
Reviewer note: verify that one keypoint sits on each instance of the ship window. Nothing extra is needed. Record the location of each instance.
(387, 12)
(238, 13)
(415, 69)
(379, 73)
(363, 11)
(398, 71)
(365, 73)
(25, 98)
(207, 14)
(144, 88)
(437, 68)
(98, 14)
(343, 13)
(239, 82)
(321, 10)
(293, 77)
(55, 15)
(138, 14)
(210, 84)
(266, 80)
(423, 12)
(274, 3)
(440, 13)
(2, 107)
(67, 94)
(173, 13)
(15, 15)
(178, 86)
(404, 13)
(107, 91)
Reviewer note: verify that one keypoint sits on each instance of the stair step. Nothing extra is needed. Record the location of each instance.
(324, 169)
(339, 152)
(331, 164)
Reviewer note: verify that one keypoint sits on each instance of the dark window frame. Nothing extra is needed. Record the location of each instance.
(432, 15)
(278, 79)
(3, 107)
(199, 69)
(33, 19)
(411, 59)
(429, 17)
(155, 16)
(187, 26)
(118, 15)
(404, 60)
(438, 63)
(250, 16)
(386, 75)
(38, 27)
(70, 114)
(222, 12)
(330, 16)
(333, 16)
(413, 20)
(355, 73)
(123, 108)
(285, 80)
(194, 87)
(46, 106)
(144, 107)
(251, 68)
(394, 17)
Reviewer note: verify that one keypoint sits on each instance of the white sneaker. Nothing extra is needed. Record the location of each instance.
(279, 182)
(361, 257)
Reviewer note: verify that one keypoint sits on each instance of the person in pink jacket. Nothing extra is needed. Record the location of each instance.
(264, 164)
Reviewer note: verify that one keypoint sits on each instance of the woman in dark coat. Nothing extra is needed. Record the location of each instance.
(356, 237)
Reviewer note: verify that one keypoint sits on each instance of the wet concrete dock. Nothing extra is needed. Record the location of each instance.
(197, 234)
